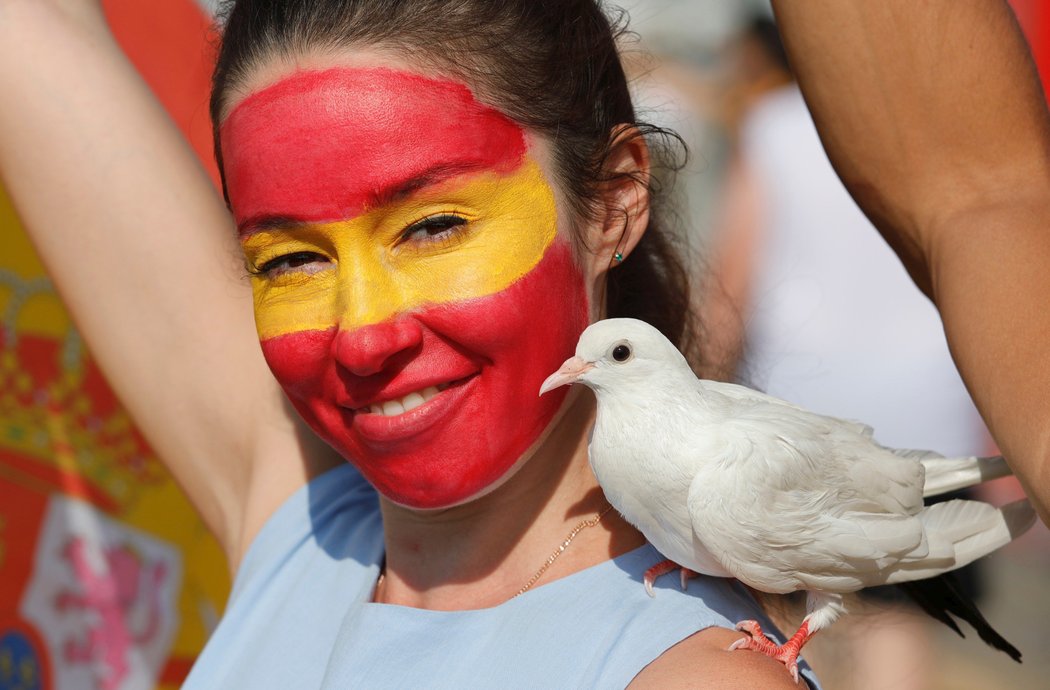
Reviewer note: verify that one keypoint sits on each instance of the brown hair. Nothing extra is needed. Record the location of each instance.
(551, 65)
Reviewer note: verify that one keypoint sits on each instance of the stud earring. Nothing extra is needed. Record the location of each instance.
(618, 257)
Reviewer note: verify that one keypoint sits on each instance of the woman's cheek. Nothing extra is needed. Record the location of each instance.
(524, 333)
(299, 361)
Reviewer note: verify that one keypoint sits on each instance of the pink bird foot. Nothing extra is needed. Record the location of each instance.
(786, 653)
(662, 568)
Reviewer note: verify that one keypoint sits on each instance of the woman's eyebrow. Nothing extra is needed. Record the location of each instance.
(389, 194)
(250, 226)
(399, 191)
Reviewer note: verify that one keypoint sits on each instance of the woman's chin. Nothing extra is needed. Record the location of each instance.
(440, 495)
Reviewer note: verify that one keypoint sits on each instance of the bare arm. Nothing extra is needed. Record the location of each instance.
(933, 116)
(141, 248)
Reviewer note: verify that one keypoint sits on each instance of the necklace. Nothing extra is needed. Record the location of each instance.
(589, 522)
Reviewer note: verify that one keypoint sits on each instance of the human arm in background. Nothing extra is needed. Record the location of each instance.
(142, 250)
(933, 117)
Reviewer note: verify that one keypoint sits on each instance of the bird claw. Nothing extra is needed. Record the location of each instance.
(662, 568)
(739, 644)
(757, 641)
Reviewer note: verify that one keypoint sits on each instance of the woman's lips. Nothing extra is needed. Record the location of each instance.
(410, 415)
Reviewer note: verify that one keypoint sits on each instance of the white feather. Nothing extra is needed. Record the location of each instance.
(951, 474)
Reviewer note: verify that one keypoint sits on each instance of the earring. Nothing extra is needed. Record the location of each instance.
(618, 257)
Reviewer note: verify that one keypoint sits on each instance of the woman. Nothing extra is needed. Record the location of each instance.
(432, 200)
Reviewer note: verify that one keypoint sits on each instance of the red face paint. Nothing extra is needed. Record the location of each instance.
(324, 146)
(353, 148)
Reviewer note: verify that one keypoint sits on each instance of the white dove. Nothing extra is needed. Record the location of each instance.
(729, 482)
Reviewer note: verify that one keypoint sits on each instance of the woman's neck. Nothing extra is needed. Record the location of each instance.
(482, 553)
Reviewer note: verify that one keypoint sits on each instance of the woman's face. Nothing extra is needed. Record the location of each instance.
(412, 285)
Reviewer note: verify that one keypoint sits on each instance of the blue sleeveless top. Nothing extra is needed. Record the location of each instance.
(299, 615)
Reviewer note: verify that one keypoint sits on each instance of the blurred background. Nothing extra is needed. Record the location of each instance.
(108, 580)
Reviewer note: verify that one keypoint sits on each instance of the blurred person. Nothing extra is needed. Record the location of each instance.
(755, 64)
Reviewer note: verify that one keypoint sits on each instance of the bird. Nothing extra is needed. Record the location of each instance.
(727, 481)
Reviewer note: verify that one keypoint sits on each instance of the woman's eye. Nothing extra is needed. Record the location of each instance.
(438, 227)
(307, 262)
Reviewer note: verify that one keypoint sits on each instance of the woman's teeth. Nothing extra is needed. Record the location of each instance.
(392, 408)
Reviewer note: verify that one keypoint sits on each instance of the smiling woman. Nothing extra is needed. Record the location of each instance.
(433, 199)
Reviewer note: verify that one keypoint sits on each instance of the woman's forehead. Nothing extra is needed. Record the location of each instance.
(323, 145)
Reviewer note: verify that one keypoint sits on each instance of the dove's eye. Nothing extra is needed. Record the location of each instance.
(621, 353)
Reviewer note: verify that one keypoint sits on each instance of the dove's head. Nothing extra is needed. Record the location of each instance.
(618, 354)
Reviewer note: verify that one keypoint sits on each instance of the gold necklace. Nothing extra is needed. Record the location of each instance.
(590, 522)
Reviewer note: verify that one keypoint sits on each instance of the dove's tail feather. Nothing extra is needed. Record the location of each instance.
(1007, 523)
(951, 474)
(963, 531)
(941, 598)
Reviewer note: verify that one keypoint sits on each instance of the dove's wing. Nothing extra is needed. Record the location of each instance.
(743, 393)
(942, 474)
(786, 499)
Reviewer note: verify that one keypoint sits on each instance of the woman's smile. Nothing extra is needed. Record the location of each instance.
(411, 415)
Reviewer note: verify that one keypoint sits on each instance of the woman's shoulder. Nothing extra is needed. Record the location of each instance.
(332, 518)
(705, 656)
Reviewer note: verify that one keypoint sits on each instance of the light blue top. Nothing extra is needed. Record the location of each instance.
(300, 617)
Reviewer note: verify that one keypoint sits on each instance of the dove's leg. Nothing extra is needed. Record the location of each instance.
(786, 653)
(662, 568)
(823, 610)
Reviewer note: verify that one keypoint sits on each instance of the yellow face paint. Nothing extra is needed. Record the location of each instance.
(365, 270)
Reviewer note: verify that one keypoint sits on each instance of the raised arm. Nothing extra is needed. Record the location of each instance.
(933, 116)
(141, 248)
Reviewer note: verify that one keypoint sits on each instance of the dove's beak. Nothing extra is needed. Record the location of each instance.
(570, 372)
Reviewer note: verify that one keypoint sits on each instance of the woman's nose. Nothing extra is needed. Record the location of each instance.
(369, 349)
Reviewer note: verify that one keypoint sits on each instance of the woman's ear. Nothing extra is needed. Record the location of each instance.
(624, 199)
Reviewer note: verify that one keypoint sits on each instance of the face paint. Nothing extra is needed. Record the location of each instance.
(323, 146)
(407, 258)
